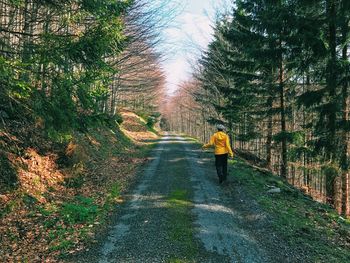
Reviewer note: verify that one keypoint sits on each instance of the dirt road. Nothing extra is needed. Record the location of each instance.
(179, 213)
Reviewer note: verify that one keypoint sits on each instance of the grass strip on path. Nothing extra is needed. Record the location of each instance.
(180, 226)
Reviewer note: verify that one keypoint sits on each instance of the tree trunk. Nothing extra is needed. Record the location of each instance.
(269, 135)
(331, 80)
(27, 38)
(284, 160)
(345, 97)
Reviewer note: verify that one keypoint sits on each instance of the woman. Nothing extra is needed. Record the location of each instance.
(221, 141)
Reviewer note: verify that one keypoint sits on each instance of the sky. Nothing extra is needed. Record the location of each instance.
(189, 33)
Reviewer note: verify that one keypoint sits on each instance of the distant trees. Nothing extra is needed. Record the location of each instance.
(140, 79)
(182, 113)
(277, 73)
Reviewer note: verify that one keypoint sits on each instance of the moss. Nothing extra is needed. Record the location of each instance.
(180, 225)
(300, 220)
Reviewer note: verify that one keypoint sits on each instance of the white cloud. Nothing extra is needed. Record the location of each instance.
(191, 36)
(198, 29)
(177, 71)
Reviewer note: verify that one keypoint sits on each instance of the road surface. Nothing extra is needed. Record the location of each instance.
(178, 212)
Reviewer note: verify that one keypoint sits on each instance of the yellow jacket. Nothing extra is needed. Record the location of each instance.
(221, 141)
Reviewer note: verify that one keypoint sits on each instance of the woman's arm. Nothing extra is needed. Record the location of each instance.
(228, 146)
(211, 142)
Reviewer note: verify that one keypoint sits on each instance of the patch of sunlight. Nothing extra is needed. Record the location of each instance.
(180, 202)
(176, 160)
(215, 208)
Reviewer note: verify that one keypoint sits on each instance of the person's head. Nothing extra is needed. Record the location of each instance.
(220, 127)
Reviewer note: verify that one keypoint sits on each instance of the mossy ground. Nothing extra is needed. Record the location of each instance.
(299, 220)
(180, 228)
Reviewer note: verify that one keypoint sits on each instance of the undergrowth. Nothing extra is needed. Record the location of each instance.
(296, 217)
(52, 219)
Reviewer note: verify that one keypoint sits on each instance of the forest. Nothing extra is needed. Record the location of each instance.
(67, 67)
(92, 138)
(277, 75)
(86, 57)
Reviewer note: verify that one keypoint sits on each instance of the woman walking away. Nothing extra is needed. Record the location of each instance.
(221, 141)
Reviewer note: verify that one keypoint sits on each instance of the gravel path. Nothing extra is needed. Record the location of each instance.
(141, 229)
(219, 225)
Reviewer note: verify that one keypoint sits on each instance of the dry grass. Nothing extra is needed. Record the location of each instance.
(135, 128)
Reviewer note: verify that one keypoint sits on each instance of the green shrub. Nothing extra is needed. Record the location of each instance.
(82, 210)
(114, 191)
(29, 200)
(151, 121)
(58, 136)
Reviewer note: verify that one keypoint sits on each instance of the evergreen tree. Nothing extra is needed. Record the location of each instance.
(285, 62)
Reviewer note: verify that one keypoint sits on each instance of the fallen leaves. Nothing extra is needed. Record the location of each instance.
(33, 228)
(4, 199)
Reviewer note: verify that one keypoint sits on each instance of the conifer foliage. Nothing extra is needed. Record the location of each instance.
(277, 73)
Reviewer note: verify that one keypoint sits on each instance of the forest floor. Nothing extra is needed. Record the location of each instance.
(177, 212)
(129, 196)
(60, 194)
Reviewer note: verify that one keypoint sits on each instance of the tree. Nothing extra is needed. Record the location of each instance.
(59, 52)
(276, 73)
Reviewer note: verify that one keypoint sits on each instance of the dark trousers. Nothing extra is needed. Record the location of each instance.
(221, 166)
